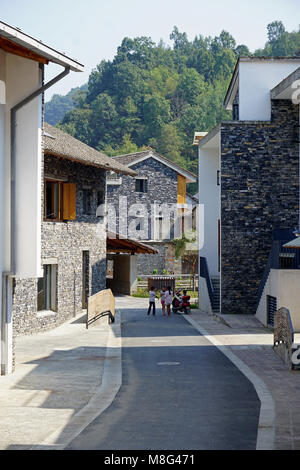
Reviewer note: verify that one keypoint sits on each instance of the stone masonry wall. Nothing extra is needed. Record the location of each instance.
(162, 188)
(259, 192)
(65, 241)
(164, 259)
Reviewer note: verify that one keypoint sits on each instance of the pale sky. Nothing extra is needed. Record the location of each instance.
(91, 30)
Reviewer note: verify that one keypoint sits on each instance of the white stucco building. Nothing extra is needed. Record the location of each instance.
(22, 62)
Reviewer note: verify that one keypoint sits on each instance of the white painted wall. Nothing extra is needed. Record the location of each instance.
(204, 300)
(284, 285)
(2, 157)
(209, 196)
(256, 80)
(22, 78)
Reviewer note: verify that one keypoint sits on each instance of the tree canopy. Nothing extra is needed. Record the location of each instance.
(156, 95)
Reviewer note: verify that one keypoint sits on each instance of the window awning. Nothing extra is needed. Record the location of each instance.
(293, 244)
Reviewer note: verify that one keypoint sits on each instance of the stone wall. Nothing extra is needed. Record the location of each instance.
(63, 244)
(259, 193)
(164, 259)
(162, 188)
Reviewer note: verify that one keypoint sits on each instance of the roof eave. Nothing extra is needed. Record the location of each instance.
(188, 175)
(17, 36)
(103, 166)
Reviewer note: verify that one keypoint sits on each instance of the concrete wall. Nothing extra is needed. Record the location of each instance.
(204, 300)
(209, 196)
(23, 76)
(256, 79)
(124, 274)
(284, 285)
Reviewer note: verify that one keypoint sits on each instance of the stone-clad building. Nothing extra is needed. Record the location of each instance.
(73, 242)
(159, 183)
(248, 183)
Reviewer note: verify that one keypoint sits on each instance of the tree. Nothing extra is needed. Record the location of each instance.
(191, 85)
(275, 31)
(242, 51)
(156, 112)
(180, 39)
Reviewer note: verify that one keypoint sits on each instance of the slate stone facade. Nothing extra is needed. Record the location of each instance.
(63, 244)
(259, 193)
(162, 189)
(164, 259)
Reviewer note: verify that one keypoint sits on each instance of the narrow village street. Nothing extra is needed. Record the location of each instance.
(178, 391)
(184, 382)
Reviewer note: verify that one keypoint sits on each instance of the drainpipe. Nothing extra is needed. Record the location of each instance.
(7, 277)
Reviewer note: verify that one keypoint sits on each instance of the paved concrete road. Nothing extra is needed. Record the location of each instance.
(179, 392)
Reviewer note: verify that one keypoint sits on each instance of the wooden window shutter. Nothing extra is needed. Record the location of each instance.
(69, 201)
(181, 190)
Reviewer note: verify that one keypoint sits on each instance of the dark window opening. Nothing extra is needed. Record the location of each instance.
(53, 200)
(47, 289)
(141, 185)
(87, 202)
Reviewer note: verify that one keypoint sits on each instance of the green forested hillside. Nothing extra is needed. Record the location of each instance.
(60, 105)
(154, 95)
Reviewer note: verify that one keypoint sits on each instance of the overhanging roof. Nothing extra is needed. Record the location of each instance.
(115, 244)
(60, 144)
(233, 86)
(14, 37)
(286, 88)
(211, 139)
(198, 136)
(293, 244)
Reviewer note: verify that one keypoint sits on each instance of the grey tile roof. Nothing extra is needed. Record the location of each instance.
(59, 143)
(130, 158)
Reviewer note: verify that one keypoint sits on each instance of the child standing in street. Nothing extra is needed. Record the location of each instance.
(168, 299)
(163, 301)
(152, 297)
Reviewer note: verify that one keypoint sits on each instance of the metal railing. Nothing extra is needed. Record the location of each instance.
(100, 305)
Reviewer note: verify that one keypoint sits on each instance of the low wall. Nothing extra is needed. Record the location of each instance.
(204, 300)
(284, 284)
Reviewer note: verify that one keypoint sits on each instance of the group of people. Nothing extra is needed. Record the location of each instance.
(179, 301)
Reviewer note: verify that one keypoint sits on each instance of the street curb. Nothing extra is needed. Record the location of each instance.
(266, 425)
(102, 398)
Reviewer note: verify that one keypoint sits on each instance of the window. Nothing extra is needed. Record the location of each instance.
(59, 201)
(47, 289)
(87, 201)
(218, 177)
(53, 200)
(141, 185)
